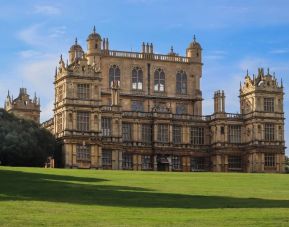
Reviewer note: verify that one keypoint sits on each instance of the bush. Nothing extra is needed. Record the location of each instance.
(23, 142)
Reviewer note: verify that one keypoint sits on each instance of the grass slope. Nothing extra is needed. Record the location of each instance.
(59, 197)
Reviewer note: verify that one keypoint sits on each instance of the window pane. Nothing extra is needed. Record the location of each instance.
(83, 121)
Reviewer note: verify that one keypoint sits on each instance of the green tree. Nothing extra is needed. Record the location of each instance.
(23, 142)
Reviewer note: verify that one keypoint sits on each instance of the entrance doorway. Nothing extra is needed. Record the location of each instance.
(163, 163)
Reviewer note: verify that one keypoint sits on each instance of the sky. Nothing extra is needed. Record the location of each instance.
(235, 35)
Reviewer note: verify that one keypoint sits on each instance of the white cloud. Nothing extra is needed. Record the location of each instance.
(279, 51)
(46, 10)
(40, 35)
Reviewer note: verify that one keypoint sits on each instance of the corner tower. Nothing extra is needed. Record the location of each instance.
(261, 103)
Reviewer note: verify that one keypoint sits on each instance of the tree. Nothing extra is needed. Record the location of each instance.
(23, 142)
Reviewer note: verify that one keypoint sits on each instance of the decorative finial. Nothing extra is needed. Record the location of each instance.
(172, 49)
(194, 38)
(94, 29)
(247, 73)
(281, 83)
(268, 71)
(56, 71)
(75, 40)
(61, 57)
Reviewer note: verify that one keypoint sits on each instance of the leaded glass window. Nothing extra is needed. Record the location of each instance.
(114, 75)
(83, 91)
(146, 133)
(106, 126)
(181, 108)
(235, 134)
(234, 162)
(177, 134)
(270, 160)
(137, 105)
(83, 121)
(83, 153)
(127, 161)
(159, 80)
(269, 132)
(269, 104)
(163, 133)
(137, 78)
(181, 82)
(176, 163)
(197, 135)
(126, 131)
(106, 159)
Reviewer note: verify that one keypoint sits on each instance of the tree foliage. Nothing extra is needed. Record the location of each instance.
(23, 142)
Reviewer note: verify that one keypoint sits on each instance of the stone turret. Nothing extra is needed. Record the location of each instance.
(23, 106)
(194, 51)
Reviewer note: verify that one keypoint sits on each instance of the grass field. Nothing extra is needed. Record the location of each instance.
(58, 197)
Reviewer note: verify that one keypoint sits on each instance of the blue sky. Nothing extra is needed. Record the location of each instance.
(236, 35)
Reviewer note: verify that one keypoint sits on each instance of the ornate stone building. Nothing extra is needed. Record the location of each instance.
(143, 111)
(23, 106)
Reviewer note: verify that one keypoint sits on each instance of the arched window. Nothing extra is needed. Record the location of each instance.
(137, 78)
(159, 80)
(114, 74)
(181, 82)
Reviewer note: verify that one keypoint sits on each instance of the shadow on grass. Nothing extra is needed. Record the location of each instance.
(23, 186)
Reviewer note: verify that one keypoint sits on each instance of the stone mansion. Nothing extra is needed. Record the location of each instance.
(143, 111)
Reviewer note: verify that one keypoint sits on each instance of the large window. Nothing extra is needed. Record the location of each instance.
(181, 108)
(106, 126)
(146, 132)
(235, 134)
(159, 80)
(176, 163)
(146, 163)
(114, 74)
(269, 104)
(234, 163)
(269, 132)
(83, 121)
(181, 82)
(197, 135)
(126, 132)
(137, 79)
(137, 105)
(83, 91)
(270, 160)
(198, 164)
(163, 133)
(106, 159)
(127, 161)
(83, 153)
(177, 134)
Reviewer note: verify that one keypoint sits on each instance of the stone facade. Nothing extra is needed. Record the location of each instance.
(23, 106)
(143, 111)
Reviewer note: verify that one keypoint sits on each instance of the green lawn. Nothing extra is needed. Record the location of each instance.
(58, 197)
